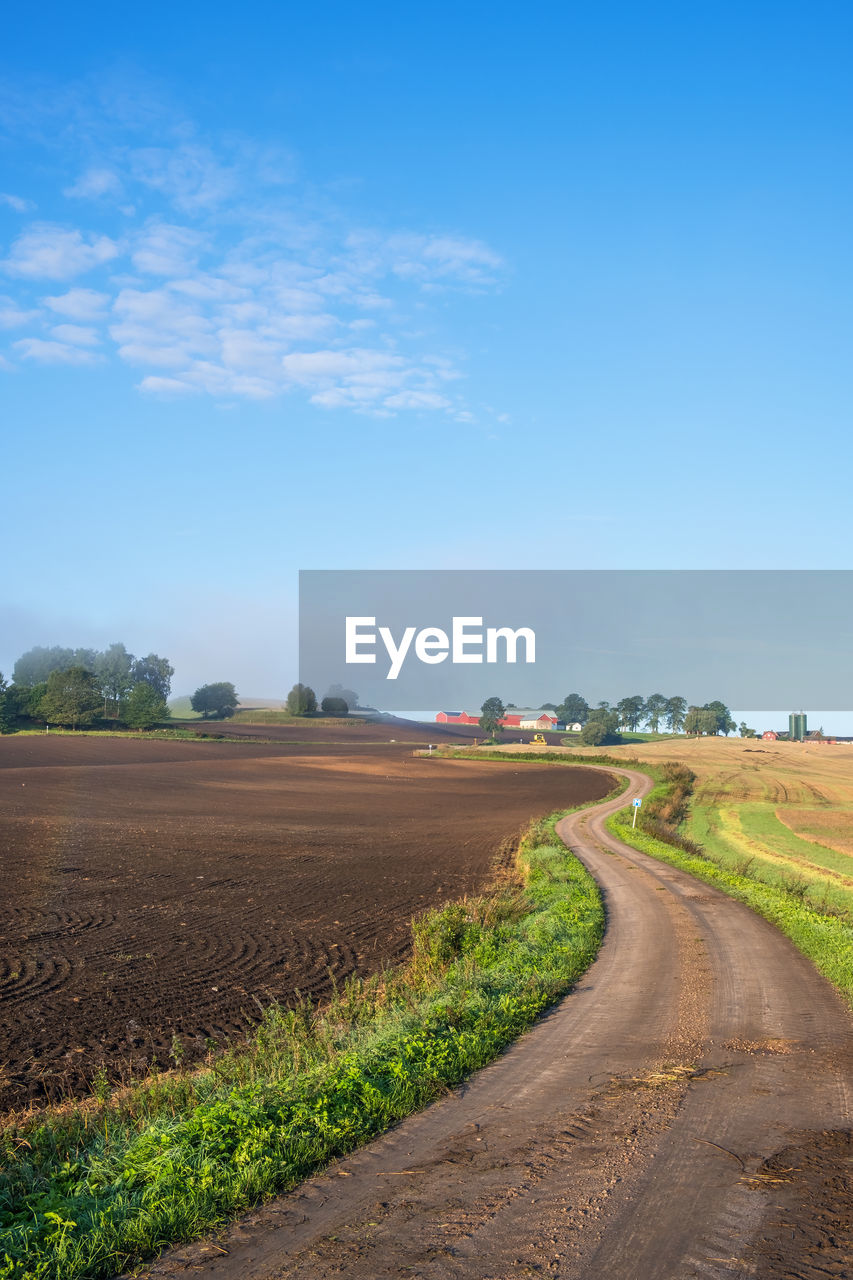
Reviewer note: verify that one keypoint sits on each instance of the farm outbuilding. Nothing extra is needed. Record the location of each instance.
(515, 719)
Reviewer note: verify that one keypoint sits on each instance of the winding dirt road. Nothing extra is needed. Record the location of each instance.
(684, 1113)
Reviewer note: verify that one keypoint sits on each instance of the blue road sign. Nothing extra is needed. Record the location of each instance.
(637, 803)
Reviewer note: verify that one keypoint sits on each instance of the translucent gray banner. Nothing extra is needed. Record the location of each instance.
(450, 639)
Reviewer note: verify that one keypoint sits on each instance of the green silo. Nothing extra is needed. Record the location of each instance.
(797, 726)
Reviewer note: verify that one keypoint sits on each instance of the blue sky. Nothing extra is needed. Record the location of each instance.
(330, 286)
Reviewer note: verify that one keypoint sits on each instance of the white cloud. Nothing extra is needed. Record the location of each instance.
(166, 250)
(12, 316)
(444, 259)
(311, 367)
(78, 335)
(52, 352)
(16, 202)
(95, 183)
(79, 304)
(417, 400)
(243, 288)
(165, 386)
(49, 252)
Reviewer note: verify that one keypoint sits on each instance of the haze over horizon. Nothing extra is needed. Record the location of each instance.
(369, 288)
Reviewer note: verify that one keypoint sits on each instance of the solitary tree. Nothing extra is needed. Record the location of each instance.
(144, 707)
(72, 697)
(219, 700)
(491, 714)
(302, 700)
(745, 731)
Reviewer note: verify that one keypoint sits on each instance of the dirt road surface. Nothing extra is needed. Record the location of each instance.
(684, 1114)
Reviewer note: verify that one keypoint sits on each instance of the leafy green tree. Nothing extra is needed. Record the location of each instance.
(676, 709)
(707, 721)
(724, 722)
(302, 700)
(654, 711)
(745, 731)
(631, 711)
(691, 720)
(114, 669)
(218, 700)
(573, 709)
(144, 707)
(72, 697)
(34, 666)
(334, 707)
(594, 733)
(349, 696)
(7, 719)
(491, 713)
(156, 672)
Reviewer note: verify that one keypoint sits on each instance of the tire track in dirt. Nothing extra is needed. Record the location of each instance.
(632, 1133)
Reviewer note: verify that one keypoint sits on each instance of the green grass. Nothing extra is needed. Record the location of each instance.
(772, 853)
(96, 1189)
(826, 939)
(182, 710)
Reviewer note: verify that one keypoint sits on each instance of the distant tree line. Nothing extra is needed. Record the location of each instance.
(302, 701)
(75, 688)
(603, 723)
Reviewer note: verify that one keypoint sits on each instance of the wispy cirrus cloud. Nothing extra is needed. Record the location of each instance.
(211, 269)
(18, 203)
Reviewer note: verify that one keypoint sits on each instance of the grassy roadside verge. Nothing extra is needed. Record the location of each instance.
(91, 1190)
(824, 936)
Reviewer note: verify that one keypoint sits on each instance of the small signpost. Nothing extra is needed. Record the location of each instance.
(636, 804)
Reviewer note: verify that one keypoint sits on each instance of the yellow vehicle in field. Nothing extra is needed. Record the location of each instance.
(538, 740)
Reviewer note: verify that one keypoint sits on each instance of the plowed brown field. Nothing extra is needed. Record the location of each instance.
(161, 888)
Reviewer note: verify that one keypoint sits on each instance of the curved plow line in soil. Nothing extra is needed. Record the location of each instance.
(118, 1190)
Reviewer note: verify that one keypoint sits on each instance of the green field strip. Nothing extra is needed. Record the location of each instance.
(761, 824)
(726, 844)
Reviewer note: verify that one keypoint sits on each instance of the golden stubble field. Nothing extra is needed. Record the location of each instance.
(777, 806)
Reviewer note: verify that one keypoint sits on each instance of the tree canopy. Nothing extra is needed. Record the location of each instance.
(491, 714)
(302, 700)
(72, 697)
(334, 706)
(7, 714)
(573, 709)
(144, 707)
(349, 696)
(218, 700)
